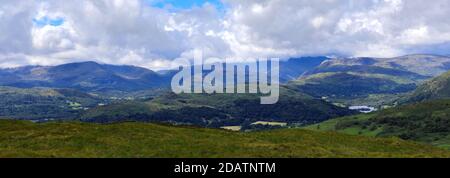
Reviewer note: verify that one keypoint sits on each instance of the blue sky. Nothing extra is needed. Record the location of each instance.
(187, 4)
(44, 21)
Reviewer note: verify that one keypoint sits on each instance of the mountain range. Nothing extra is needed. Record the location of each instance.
(95, 77)
(370, 81)
(42, 92)
(317, 89)
(84, 76)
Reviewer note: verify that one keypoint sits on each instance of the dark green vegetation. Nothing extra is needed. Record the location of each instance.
(44, 103)
(219, 110)
(25, 139)
(427, 122)
(370, 81)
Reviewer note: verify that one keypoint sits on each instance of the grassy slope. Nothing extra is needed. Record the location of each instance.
(25, 139)
(426, 122)
(437, 88)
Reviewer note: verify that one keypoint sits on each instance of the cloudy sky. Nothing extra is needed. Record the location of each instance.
(150, 33)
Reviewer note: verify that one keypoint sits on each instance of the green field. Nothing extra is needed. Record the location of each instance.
(26, 139)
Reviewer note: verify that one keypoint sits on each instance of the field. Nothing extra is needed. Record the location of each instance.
(26, 139)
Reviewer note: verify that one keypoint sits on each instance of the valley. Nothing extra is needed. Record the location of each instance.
(319, 112)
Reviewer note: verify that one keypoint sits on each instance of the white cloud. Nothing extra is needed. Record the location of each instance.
(355, 28)
(133, 32)
(415, 35)
(317, 22)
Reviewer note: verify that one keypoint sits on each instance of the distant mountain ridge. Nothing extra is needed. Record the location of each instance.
(85, 76)
(425, 65)
(316, 76)
(94, 77)
(367, 80)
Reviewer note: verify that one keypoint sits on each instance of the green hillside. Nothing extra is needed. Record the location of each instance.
(437, 88)
(44, 103)
(26, 139)
(427, 122)
(351, 85)
(353, 88)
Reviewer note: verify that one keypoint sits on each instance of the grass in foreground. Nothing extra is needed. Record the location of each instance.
(26, 139)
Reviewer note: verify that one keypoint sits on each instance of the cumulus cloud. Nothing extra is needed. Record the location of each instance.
(382, 28)
(49, 32)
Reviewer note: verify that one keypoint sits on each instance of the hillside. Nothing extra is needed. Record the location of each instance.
(377, 82)
(293, 68)
(437, 88)
(44, 103)
(420, 65)
(218, 110)
(427, 122)
(342, 85)
(25, 139)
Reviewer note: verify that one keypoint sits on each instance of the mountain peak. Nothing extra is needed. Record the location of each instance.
(84, 63)
(423, 56)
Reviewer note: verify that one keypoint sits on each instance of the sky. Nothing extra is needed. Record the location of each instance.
(151, 33)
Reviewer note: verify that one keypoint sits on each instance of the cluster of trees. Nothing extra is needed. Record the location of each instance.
(233, 112)
(201, 116)
(34, 107)
(33, 104)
